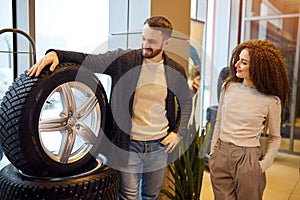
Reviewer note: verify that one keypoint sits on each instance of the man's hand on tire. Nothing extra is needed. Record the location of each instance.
(50, 58)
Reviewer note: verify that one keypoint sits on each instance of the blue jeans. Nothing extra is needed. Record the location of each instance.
(146, 167)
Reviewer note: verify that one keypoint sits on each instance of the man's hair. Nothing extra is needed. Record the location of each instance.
(267, 68)
(160, 23)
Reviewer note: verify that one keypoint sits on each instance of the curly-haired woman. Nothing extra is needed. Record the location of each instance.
(251, 98)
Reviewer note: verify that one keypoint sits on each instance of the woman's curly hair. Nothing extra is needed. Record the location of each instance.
(267, 68)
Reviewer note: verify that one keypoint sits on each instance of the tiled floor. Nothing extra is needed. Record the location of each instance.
(283, 180)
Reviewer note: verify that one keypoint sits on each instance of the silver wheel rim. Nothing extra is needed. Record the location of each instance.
(69, 122)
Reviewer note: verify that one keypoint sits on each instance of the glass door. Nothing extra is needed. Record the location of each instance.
(278, 21)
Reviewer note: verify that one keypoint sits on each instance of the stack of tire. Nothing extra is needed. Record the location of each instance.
(51, 128)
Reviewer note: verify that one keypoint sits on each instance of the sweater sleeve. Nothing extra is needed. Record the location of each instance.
(217, 128)
(274, 122)
(96, 63)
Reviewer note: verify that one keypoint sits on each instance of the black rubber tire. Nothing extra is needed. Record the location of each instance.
(19, 120)
(102, 184)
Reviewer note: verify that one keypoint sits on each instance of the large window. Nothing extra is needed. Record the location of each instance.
(126, 20)
(71, 25)
(6, 69)
(278, 21)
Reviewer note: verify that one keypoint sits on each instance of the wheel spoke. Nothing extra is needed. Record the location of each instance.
(50, 125)
(86, 133)
(68, 99)
(67, 145)
(87, 107)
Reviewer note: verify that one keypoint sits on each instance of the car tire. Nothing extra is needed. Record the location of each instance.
(76, 99)
(102, 183)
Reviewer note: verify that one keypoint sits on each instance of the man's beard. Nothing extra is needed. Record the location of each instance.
(152, 54)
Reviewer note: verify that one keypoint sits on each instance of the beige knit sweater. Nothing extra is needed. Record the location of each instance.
(242, 113)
